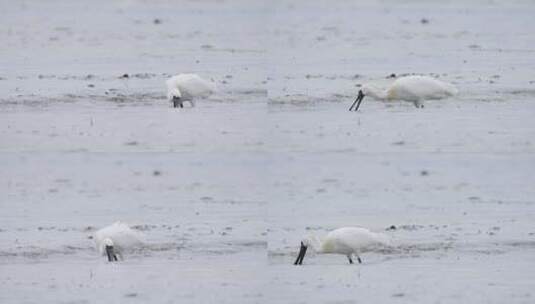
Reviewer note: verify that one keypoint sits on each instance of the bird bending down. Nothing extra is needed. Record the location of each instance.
(348, 241)
(113, 240)
(187, 87)
(416, 89)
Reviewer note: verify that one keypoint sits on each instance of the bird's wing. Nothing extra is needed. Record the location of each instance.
(358, 238)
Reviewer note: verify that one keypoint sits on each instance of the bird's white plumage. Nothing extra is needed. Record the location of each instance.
(350, 240)
(189, 87)
(412, 88)
(120, 236)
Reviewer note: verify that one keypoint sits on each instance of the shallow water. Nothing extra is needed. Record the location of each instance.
(224, 192)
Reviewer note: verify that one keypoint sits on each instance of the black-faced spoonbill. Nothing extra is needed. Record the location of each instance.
(187, 87)
(348, 241)
(416, 89)
(116, 238)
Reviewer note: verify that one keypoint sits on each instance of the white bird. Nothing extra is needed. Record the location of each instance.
(348, 241)
(187, 87)
(113, 240)
(408, 88)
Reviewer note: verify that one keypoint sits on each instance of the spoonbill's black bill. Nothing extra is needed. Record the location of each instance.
(301, 255)
(112, 257)
(357, 101)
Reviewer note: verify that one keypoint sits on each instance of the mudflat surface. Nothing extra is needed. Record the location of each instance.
(224, 192)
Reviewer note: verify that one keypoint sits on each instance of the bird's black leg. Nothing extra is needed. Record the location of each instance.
(358, 259)
(350, 260)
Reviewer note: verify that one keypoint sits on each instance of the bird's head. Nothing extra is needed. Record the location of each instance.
(110, 250)
(368, 89)
(312, 242)
(173, 93)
